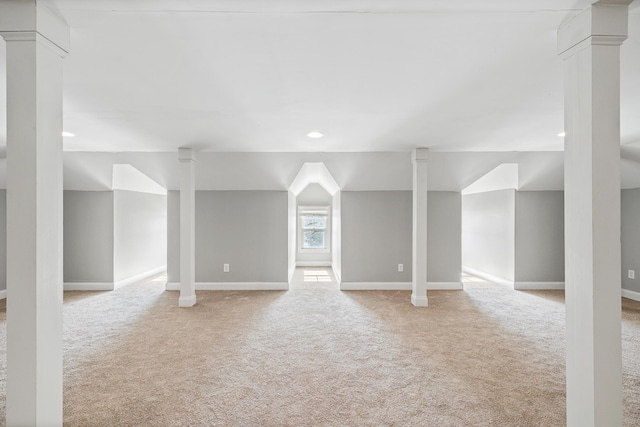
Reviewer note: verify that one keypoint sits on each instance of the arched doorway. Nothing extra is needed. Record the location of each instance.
(314, 224)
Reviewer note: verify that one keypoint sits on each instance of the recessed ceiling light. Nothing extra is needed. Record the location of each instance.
(315, 134)
(562, 134)
(68, 134)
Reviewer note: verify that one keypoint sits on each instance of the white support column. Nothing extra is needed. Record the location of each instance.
(419, 158)
(589, 44)
(37, 41)
(187, 158)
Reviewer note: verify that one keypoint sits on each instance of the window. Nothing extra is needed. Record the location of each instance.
(314, 227)
(313, 231)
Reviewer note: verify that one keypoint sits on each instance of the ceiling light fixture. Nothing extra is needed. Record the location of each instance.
(315, 134)
(562, 134)
(69, 134)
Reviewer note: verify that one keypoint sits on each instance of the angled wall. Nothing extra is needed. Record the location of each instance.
(631, 242)
(88, 239)
(488, 232)
(139, 234)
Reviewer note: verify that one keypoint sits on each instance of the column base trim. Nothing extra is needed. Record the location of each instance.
(188, 301)
(539, 286)
(313, 264)
(634, 295)
(419, 301)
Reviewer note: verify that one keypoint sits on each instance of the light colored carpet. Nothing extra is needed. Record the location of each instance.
(315, 356)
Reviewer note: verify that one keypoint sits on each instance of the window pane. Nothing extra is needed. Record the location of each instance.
(313, 239)
(314, 221)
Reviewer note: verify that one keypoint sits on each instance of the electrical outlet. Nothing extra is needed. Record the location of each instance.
(225, 268)
(632, 274)
(400, 268)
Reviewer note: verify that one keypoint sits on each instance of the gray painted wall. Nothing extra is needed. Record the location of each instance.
(3, 239)
(88, 236)
(539, 236)
(374, 257)
(488, 228)
(376, 236)
(173, 236)
(444, 236)
(631, 238)
(140, 233)
(245, 229)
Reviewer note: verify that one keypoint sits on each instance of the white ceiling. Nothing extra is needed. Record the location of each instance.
(373, 75)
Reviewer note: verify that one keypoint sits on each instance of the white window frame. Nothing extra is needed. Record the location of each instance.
(318, 210)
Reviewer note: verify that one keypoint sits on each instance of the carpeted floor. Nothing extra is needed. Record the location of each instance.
(315, 356)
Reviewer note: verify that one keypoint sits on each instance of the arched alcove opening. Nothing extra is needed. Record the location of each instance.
(320, 196)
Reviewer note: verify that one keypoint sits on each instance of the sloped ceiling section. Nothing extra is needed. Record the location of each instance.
(537, 171)
(351, 171)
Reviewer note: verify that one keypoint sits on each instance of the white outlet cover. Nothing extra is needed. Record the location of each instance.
(225, 268)
(400, 267)
(632, 274)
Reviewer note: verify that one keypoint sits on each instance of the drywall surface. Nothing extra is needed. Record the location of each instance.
(88, 236)
(245, 229)
(173, 236)
(631, 238)
(539, 236)
(3, 239)
(444, 236)
(376, 236)
(363, 171)
(314, 194)
(488, 240)
(336, 235)
(140, 233)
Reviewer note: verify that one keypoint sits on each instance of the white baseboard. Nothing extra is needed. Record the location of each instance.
(487, 276)
(398, 286)
(313, 264)
(540, 286)
(634, 295)
(88, 286)
(233, 286)
(419, 301)
(337, 275)
(375, 286)
(444, 286)
(138, 277)
(3, 294)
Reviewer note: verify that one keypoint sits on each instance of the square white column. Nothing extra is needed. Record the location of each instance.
(187, 158)
(419, 158)
(590, 47)
(36, 40)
